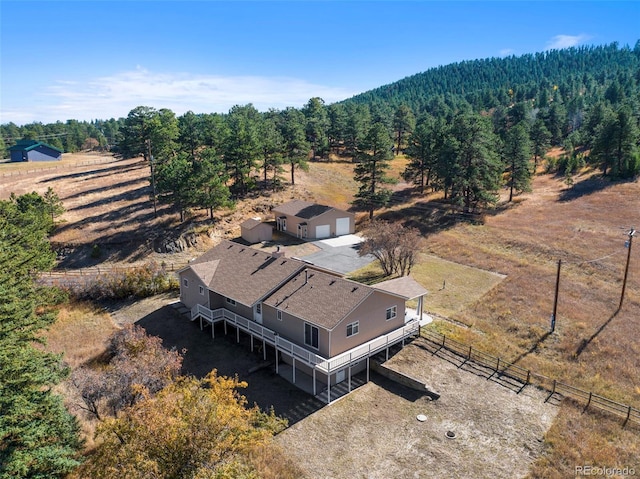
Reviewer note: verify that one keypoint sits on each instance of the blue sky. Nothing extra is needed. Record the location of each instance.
(99, 59)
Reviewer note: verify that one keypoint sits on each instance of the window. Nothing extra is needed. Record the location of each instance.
(353, 328)
(311, 336)
(232, 302)
(392, 312)
(185, 282)
(201, 290)
(259, 308)
(279, 315)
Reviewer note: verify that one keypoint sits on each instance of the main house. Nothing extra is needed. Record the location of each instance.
(32, 150)
(319, 324)
(306, 220)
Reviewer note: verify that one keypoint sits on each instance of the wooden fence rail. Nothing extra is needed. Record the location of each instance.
(97, 161)
(554, 387)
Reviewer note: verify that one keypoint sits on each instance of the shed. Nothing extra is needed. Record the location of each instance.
(254, 231)
(32, 150)
(307, 220)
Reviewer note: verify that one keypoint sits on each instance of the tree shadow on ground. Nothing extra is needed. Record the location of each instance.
(230, 358)
(98, 172)
(430, 217)
(588, 187)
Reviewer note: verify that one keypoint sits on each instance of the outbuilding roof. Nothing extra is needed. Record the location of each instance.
(251, 223)
(302, 209)
(319, 298)
(28, 145)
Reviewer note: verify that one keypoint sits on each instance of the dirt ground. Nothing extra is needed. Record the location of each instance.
(373, 432)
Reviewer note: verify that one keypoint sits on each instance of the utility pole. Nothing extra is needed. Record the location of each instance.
(632, 232)
(555, 300)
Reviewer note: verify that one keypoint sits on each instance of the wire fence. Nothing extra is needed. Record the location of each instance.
(97, 161)
(89, 275)
(525, 377)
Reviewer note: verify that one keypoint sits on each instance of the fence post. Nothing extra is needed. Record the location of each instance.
(552, 392)
(627, 418)
(588, 401)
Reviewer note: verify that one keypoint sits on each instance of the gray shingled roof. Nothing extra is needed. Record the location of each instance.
(406, 286)
(250, 223)
(243, 273)
(319, 298)
(302, 209)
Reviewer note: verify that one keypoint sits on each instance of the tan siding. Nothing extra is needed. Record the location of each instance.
(261, 232)
(190, 295)
(326, 218)
(292, 329)
(330, 218)
(372, 317)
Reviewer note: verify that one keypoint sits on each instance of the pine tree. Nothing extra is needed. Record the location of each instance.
(370, 172)
(517, 154)
(38, 437)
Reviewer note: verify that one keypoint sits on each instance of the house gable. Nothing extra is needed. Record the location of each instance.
(241, 273)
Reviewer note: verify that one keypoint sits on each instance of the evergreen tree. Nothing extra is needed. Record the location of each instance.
(296, 147)
(370, 172)
(424, 149)
(517, 154)
(272, 146)
(317, 126)
(540, 140)
(477, 167)
(403, 123)
(174, 183)
(243, 147)
(38, 437)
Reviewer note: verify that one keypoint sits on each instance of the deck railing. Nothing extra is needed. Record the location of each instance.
(325, 365)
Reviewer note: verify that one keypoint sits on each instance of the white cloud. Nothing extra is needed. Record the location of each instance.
(114, 96)
(566, 41)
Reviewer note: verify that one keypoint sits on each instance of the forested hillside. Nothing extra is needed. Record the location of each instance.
(468, 128)
(593, 73)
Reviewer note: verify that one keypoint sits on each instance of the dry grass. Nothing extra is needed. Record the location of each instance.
(452, 286)
(508, 318)
(586, 439)
(80, 332)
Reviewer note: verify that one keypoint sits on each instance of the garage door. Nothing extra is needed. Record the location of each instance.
(323, 231)
(342, 226)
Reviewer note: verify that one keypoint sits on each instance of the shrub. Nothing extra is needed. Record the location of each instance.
(137, 282)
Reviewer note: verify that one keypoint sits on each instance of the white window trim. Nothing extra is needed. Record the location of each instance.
(355, 328)
(392, 313)
(305, 336)
(185, 282)
(201, 289)
(232, 302)
(279, 315)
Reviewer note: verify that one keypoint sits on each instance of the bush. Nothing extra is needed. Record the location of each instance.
(138, 282)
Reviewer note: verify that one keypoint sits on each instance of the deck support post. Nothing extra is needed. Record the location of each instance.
(264, 349)
(294, 369)
(252, 343)
(314, 381)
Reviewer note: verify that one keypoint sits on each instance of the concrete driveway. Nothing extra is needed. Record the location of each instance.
(339, 254)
